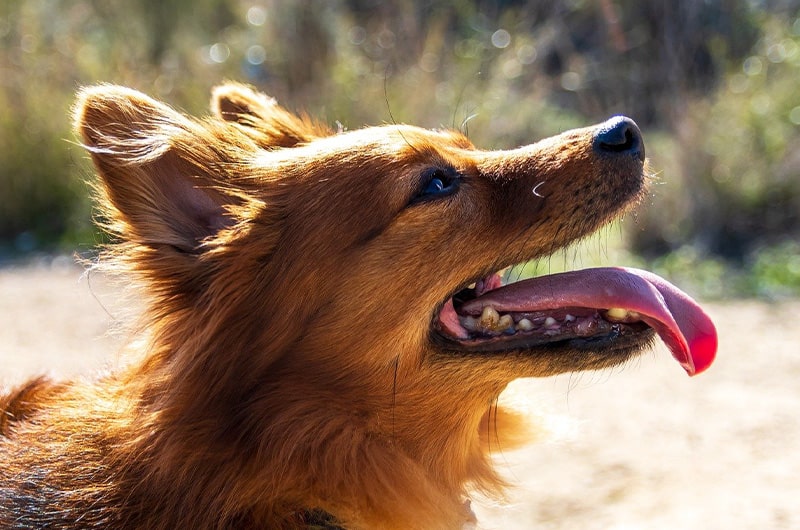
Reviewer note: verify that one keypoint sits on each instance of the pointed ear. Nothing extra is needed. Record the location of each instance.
(260, 116)
(161, 174)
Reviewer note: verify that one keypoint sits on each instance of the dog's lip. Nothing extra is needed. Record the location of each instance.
(681, 323)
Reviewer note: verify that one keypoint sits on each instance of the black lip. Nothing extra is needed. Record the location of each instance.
(574, 355)
(625, 340)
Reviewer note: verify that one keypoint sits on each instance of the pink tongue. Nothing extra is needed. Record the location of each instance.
(683, 326)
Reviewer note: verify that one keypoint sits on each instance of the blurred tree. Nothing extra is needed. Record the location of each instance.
(735, 187)
(722, 133)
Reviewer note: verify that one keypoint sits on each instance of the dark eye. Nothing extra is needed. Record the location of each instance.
(437, 183)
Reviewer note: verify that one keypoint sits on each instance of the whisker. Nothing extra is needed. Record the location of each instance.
(465, 123)
(389, 107)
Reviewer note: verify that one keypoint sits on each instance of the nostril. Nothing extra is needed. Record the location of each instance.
(620, 135)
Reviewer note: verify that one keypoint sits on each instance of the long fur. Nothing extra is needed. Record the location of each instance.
(285, 367)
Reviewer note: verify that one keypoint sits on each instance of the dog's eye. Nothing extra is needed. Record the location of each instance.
(436, 183)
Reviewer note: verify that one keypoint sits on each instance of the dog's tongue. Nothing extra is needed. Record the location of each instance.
(680, 322)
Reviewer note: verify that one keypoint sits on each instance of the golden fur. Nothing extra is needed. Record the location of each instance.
(287, 369)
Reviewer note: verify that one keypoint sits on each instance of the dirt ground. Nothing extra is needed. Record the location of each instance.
(640, 447)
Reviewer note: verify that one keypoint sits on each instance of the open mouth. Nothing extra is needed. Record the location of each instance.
(585, 309)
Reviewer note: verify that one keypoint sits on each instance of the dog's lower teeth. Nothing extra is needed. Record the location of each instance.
(617, 313)
(505, 322)
(524, 325)
(491, 323)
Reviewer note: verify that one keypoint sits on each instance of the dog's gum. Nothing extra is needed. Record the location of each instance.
(586, 327)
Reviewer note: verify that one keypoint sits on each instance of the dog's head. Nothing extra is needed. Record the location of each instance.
(376, 234)
(361, 267)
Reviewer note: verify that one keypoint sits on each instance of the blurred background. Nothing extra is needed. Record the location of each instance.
(712, 83)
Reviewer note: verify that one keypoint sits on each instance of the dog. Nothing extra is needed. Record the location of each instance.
(325, 333)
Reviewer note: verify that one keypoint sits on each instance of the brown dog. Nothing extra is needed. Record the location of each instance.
(314, 354)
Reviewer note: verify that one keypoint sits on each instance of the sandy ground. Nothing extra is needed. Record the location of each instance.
(643, 447)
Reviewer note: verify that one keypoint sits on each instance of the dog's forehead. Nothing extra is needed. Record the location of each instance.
(439, 137)
(393, 138)
(379, 144)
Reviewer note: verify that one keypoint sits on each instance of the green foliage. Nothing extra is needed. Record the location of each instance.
(703, 276)
(39, 200)
(730, 177)
(775, 271)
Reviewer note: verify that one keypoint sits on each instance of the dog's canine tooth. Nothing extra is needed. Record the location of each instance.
(569, 318)
(551, 323)
(489, 317)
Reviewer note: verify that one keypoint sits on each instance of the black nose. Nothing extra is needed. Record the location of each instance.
(620, 135)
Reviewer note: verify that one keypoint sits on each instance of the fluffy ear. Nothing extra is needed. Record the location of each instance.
(162, 174)
(260, 116)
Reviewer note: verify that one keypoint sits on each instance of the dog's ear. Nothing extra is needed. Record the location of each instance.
(260, 116)
(162, 174)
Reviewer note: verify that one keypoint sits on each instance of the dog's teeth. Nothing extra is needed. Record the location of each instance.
(569, 318)
(471, 286)
(616, 313)
(550, 323)
(505, 322)
(524, 325)
(489, 317)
